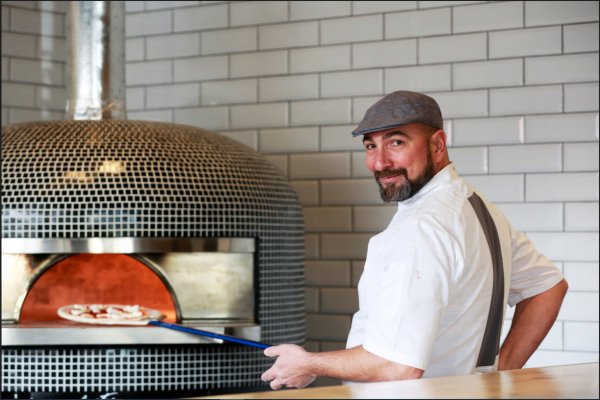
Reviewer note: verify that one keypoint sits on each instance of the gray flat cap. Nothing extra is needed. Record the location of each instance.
(400, 108)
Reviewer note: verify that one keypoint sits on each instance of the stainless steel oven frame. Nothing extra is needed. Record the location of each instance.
(211, 280)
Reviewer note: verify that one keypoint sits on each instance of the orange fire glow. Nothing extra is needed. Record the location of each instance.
(96, 279)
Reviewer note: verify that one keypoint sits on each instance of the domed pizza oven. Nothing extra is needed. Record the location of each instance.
(167, 216)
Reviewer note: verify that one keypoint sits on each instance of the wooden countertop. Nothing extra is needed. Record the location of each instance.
(565, 381)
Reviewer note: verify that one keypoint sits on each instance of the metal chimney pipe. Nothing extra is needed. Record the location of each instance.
(96, 60)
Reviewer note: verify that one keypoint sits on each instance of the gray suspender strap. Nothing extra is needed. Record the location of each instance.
(491, 337)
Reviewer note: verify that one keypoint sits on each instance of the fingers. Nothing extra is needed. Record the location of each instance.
(268, 375)
(275, 385)
(271, 376)
(287, 369)
(280, 381)
(272, 351)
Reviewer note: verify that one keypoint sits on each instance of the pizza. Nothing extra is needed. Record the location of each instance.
(109, 314)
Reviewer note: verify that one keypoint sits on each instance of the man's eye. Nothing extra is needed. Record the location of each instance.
(369, 146)
(396, 142)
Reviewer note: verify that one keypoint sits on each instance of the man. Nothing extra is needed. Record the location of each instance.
(437, 279)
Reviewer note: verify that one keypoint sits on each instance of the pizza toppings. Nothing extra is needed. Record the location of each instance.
(103, 311)
(109, 314)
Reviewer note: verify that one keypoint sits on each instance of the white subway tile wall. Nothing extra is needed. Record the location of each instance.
(229, 92)
(453, 48)
(580, 37)
(208, 17)
(526, 158)
(535, 216)
(469, 160)
(526, 100)
(203, 117)
(427, 78)
(258, 12)
(172, 46)
(418, 23)
(307, 191)
(263, 63)
(288, 35)
(488, 74)
(359, 167)
(295, 87)
(384, 53)
(581, 217)
(247, 137)
(581, 97)
(289, 140)
(517, 83)
(327, 273)
(328, 219)
(482, 17)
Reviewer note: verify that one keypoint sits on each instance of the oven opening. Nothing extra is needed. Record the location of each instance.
(204, 283)
(96, 279)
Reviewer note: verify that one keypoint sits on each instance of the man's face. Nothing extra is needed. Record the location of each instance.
(400, 159)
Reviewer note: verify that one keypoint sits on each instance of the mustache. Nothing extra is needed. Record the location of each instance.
(390, 172)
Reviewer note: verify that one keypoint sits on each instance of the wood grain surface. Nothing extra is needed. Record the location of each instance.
(565, 381)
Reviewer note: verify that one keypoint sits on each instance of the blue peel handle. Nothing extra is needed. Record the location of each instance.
(213, 335)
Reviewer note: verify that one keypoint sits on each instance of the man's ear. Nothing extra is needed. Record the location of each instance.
(438, 142)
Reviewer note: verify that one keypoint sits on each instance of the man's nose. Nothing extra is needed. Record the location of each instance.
(381, 160)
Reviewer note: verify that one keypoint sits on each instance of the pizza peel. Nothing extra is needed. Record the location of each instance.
(154, 318)
(213, 335)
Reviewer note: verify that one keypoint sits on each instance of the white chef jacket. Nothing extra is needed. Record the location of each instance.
(425, 292)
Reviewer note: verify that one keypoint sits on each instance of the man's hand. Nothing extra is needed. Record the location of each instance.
(297, 368)
(291, 369)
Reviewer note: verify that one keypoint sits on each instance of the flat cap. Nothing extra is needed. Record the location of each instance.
(400, 108)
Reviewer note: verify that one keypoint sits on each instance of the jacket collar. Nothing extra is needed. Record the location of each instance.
(443, 177)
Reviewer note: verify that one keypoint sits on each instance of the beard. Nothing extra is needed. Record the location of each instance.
(409, 187)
